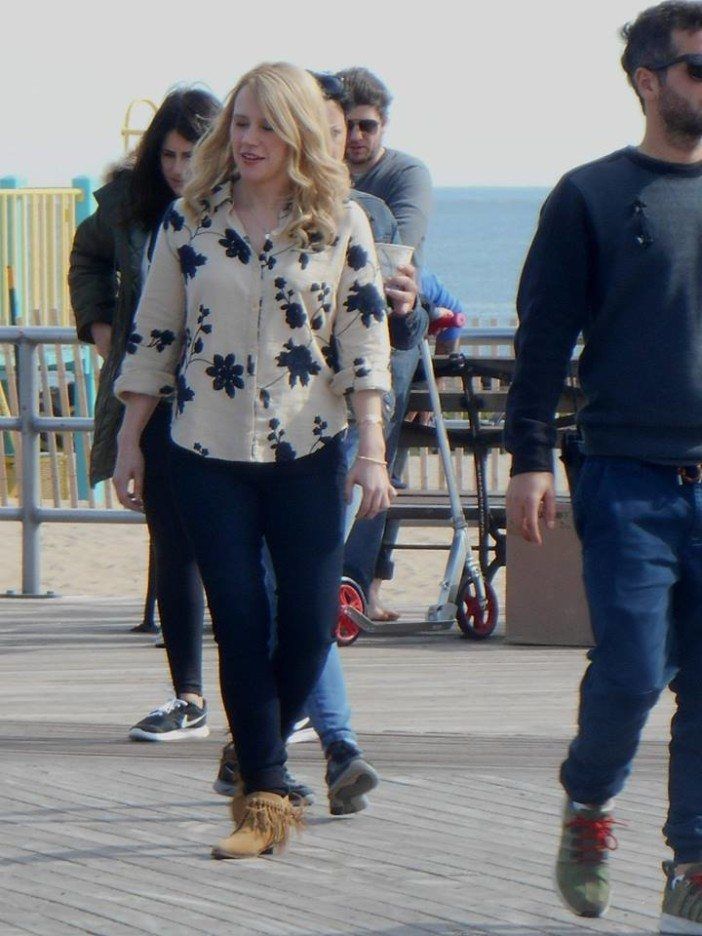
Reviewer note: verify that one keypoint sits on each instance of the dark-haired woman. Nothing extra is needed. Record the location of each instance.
(111, 253)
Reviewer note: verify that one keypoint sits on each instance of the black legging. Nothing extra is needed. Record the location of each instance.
(229, 508)
(179, 591)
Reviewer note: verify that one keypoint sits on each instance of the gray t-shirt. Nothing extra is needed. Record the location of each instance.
(404, 184)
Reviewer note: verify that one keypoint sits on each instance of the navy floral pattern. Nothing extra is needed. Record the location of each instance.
(226, 374)
(299, 362)
(235, 246)
(133, 342)
(356, 257)
(266, 258)
(366, 299)
(173, 219)
(258, 361)
(284, 452)
(295, 314)
(331, 355)
(161, 339)
(319, 431)
(190, 261)
(184, 393)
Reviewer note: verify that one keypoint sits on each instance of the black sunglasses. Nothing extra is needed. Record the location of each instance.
(693, 60)
(365, 126)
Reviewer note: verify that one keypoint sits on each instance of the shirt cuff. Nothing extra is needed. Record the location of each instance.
(153, 383)
(352, 379)
(535, 460)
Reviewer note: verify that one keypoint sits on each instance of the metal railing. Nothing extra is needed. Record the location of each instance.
(30, 425)
(29, 381)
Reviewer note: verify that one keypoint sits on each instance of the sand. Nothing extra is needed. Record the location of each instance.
(110, 560)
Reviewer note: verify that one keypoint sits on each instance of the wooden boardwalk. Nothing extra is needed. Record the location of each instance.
(99, 835)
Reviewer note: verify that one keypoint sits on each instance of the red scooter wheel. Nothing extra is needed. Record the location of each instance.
(475, 622)
(350, 596)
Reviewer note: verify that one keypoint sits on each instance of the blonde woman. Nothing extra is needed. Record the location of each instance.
(262, 312)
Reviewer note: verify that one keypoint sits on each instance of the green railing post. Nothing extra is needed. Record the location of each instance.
(86, 205)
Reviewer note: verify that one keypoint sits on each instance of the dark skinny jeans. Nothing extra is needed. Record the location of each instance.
(228, 508)
(181, 603)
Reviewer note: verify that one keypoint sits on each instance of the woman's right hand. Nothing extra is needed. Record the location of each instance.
(128, 476)
(374, 481)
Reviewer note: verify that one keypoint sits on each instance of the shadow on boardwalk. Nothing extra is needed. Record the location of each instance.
(99, 835)
(501, 930)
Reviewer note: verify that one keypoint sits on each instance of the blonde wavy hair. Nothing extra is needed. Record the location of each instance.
(292, 103)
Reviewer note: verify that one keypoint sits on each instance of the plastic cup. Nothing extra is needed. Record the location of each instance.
(391, 256)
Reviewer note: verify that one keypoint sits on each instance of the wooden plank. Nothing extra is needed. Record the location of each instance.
(98, 834)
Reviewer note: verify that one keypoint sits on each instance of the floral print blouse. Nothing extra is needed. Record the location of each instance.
(257, 350)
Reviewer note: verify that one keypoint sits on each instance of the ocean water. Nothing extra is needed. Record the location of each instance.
(477, 242)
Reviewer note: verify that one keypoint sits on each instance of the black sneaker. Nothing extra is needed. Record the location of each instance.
(146, 627)
(177, 720)
(229, 778)
(348, 778)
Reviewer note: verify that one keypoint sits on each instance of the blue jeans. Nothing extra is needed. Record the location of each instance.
(641, 535)
(229, 509)
(327, 705)
(363, 546)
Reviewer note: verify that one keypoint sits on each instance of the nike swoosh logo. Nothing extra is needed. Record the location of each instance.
(188, 723)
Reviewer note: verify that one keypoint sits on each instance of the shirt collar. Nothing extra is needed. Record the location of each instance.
(220, 195)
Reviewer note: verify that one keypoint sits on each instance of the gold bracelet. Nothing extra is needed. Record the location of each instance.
(371, 419)
(374, 461)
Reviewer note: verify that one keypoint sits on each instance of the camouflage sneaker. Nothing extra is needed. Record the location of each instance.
(582, 868)
(682, 901)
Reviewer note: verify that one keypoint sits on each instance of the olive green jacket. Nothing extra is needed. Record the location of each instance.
(104, 279)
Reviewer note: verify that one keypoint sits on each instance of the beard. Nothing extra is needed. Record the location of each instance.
(680, 119)
(365, 155)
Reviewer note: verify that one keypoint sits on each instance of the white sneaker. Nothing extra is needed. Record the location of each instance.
(302, 731)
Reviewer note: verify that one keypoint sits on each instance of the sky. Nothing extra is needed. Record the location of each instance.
(501, 93)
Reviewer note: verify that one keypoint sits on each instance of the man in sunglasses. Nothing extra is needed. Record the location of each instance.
(404, 184)
(618, 257)
(402, 181)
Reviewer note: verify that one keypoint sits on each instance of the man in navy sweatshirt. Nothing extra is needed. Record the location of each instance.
(618, 257)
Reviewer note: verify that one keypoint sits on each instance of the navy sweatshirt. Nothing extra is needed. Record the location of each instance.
(617, 256)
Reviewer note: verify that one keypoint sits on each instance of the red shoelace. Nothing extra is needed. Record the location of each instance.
(596, 837)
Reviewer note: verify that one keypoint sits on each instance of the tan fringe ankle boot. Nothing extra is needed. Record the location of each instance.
(238, 807)
(265, 826)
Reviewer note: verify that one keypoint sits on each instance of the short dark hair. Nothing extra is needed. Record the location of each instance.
(649, 38)
(366, 89)
(333, 89)
(187, 110)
